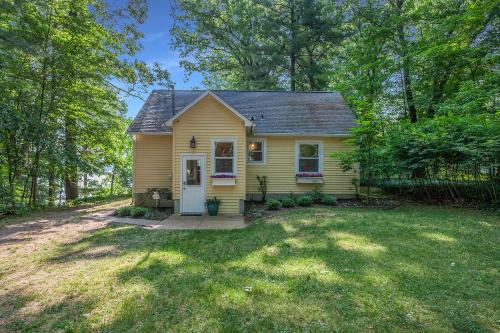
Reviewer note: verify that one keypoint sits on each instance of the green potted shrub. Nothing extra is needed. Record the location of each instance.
(213, 206)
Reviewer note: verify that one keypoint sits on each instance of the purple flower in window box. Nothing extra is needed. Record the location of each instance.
(223, 176)
(309, 174)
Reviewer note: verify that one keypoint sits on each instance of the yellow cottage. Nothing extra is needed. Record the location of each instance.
(193, 145)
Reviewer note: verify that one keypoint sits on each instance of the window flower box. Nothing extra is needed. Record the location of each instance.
(309, 178)
(223, 180)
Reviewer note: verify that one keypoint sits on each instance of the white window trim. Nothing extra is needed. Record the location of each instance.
(320, 154)
(235, 155)
(264, 151)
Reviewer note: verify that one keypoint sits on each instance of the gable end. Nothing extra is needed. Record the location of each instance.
(247, 122)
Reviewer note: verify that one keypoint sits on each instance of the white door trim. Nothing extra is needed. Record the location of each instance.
(203, 178)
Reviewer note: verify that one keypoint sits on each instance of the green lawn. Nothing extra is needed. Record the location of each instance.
(414, 268)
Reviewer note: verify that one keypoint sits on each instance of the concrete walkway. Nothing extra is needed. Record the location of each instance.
(179, 222)
(203, 222)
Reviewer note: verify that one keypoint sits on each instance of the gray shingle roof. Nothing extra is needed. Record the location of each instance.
(274, 112)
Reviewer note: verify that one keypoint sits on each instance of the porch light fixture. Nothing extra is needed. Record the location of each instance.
(192, 143)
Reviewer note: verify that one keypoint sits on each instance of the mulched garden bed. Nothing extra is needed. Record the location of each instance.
(384, 203)
(159, 215)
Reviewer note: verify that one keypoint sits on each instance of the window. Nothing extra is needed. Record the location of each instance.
(256, 151)
(309, 157)
(224, 157)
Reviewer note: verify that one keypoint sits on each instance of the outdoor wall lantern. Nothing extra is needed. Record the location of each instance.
(192, 143)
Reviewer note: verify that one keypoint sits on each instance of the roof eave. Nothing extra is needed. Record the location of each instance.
(148, 133)
(346, 135)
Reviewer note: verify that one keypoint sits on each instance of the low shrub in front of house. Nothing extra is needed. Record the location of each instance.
(329, 200)
(305, 201)
(123, 211)
(150, 215)
(135, 211)
(288, 203)
(291, 196)
(315, 195)
(254, 214)
(273, 204)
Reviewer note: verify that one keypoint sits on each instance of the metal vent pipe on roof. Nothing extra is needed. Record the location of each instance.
(172, 88)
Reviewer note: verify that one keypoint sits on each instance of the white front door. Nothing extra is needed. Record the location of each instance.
(193, 184)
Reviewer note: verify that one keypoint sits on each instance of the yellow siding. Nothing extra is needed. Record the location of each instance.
(207, 120)
(152, 162)
(280, 168)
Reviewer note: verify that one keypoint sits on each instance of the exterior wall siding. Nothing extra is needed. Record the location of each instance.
(208, 120)
(157, 159)
(152, 166)
(280, 168)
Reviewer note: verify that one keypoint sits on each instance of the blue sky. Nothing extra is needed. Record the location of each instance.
(156, 47)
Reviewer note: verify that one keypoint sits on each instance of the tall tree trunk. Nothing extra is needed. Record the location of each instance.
(34, 179)
(85, 185)
(112, 181)
(41, 110)
(71, 185)
(438, 84)
(403, 53)
(52, 187)
(70, 168)
(293, 47)
(12, 191)
(310, 73)
(370, 174)
(12, 169)
(25, 188)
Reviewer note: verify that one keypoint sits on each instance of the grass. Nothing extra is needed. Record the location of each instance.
(414, 268)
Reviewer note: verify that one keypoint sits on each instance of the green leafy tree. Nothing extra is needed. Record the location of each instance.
(64, 65)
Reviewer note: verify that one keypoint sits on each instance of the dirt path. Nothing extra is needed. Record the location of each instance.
(28, 233)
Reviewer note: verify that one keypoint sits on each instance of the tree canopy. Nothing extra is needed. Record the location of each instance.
(63, 66)
(421, 76)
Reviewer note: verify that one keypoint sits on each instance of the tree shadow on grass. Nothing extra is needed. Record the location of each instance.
(338, 273)
(66, 315)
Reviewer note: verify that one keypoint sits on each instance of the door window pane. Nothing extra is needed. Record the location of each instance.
(193, 172)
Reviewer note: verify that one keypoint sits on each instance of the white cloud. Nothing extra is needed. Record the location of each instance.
(154, 37)
(171, 63)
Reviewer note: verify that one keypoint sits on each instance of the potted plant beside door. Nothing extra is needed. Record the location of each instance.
(213, 206)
